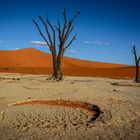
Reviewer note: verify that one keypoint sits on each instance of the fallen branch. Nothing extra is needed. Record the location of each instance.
(126, 84)
(1, 115)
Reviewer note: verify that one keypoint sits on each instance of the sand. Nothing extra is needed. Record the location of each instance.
(33, 61)
(119, 105)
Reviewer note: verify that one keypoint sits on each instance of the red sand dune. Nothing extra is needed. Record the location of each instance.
(37, 62)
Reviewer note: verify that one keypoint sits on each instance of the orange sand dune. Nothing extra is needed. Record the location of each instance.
(37, 62)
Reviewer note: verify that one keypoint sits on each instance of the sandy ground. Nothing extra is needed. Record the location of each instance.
(119, 118)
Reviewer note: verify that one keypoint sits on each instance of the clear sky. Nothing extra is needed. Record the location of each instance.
(107, 29)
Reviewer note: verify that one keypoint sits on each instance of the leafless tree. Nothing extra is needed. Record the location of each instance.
(63, 33)
(137, 60)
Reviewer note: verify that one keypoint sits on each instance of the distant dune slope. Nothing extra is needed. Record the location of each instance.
(31, 60)
(34, 58)
(24, 58)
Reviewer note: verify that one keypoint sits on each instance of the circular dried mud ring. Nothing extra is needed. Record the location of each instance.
(94, 109)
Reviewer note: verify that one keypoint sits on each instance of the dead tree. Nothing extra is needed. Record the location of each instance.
(137, 60)
(63, 33)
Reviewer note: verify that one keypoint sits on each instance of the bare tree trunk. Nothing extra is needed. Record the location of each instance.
(54, 75)
(137, 73)
(59, 64)
(137, 60)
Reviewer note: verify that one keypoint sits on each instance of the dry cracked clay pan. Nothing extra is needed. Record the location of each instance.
(94, 109)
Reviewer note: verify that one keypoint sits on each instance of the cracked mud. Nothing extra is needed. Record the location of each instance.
(119, 118)
(44, 120)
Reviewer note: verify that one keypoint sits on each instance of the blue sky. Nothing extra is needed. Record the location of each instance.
(107, 29)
